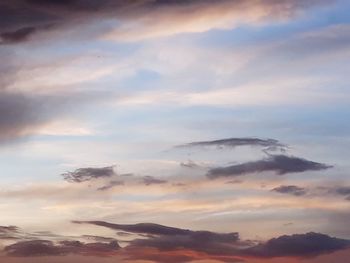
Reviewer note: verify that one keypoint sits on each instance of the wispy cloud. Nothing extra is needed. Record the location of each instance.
(141, 19)
(280, 164)
(290, 189)
(149, 180)
(235, 142)
(88, 174)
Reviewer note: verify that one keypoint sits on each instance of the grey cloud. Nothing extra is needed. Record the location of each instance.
(22, 115)
(18, 35)
(290, 189)
(225, 247)
(166, 238)
(280, 164)
(88, 174)
(235, 142)
(9, 232)
(149, 180)
(110, 185)
(35, 248)
(17, 16)
(298, 245)
(145, 228)
(343, 190)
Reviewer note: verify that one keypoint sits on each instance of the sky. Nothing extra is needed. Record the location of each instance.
(173, 131)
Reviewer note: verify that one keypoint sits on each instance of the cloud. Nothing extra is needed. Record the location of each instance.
(298, 245)
(88, 174)
(9, 232)
(20, 114)
(290, 189)
(142, 19)
(190, 164)
(110, 185)
(280, 164)
(162, 241)
(149, 180)
(235, 142)
(35, 248)
(19, 35)
(165, 239)
(343, 190)
(145, 228)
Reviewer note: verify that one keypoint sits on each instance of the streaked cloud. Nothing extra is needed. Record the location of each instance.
(21, 19)
(280, 164)
(290, 189)
(149, 180)
(235, 142)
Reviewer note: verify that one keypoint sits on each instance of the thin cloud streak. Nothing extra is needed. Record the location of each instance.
(280, 164)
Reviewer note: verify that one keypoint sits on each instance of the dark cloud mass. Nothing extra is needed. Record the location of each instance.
(160, 243)
(21, 19)
(88, 174)
(225, 247)
(35, 248)
(290, 189)
(19, 35)
(280, 164)
(299, 245)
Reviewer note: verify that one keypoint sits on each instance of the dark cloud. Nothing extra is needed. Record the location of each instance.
(161, 243)
(144, 228)
(18, 16)
(298, 245)
(19, 35)
(290, 189)
(235, 142)
(23, 114)
(343, 190)
(149, 180)
(224, 247)
(110, 185)
(88, 174)
(280, 164)
(164, 238)
(35, 248)
(20, 114)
